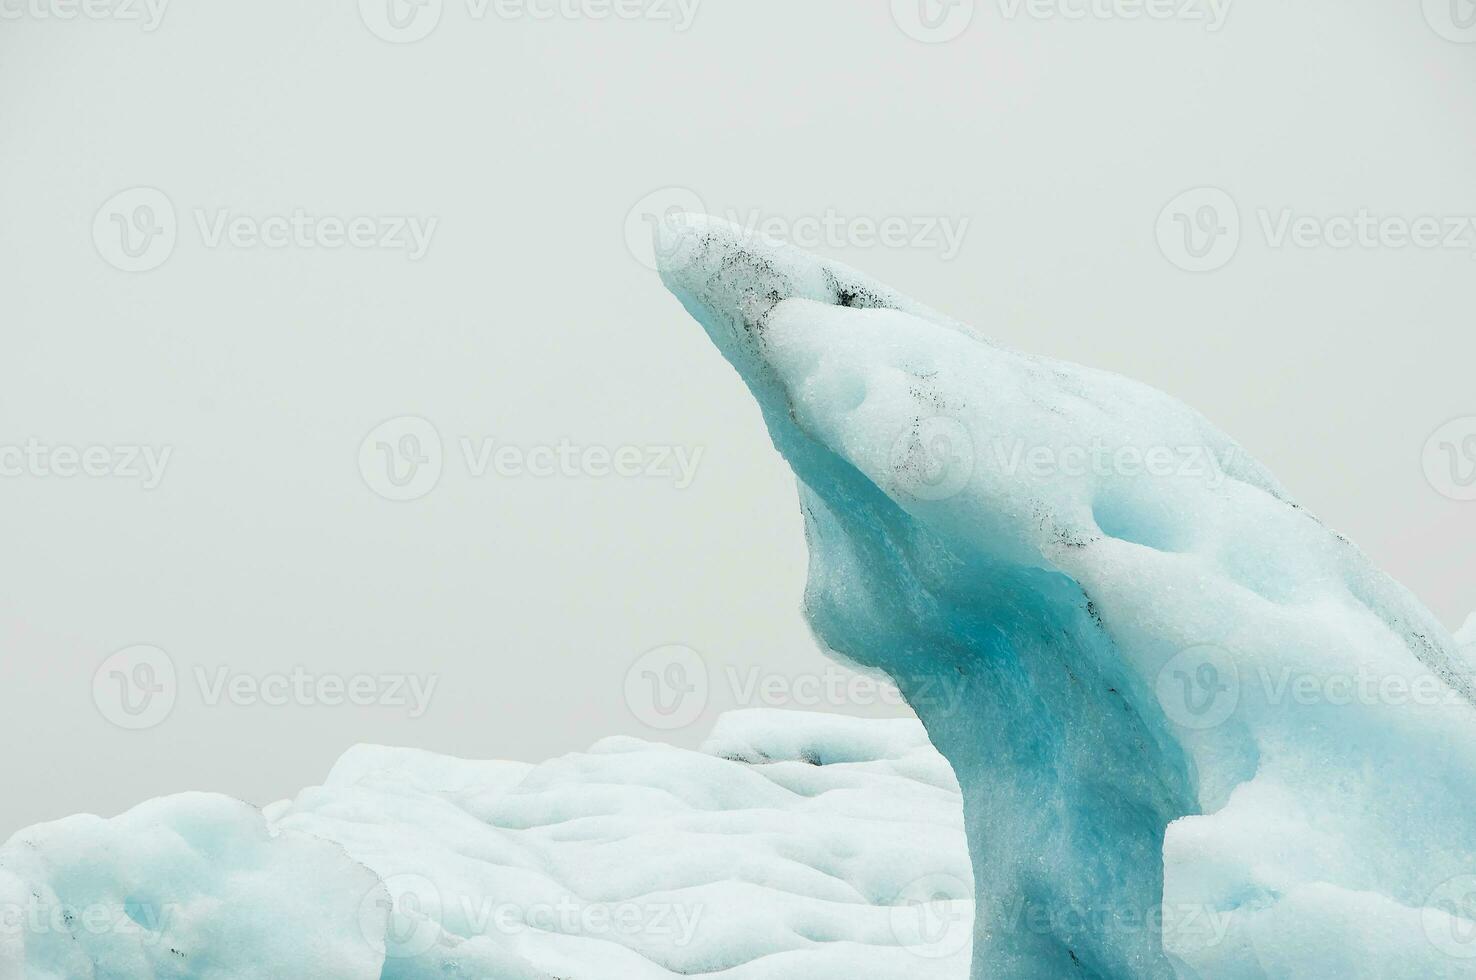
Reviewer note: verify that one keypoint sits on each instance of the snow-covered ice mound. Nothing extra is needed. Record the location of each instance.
(1197, 732)
(791, 846)
(194, 886)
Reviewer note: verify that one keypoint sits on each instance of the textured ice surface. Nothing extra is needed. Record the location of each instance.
(792, 846)
(1197, 733)
(192, 886)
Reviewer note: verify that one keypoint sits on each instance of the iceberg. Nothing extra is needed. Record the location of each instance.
(1170, 726)
(790, 846)
(1197, 733)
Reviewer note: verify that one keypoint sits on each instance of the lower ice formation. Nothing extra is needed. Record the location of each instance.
(811, 847)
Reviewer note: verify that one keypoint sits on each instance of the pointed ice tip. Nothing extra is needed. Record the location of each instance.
(684, 239)
(673, 236)
(1466, 635)
(730, 277)
(674, 225)
(677, 225)
(668, 229)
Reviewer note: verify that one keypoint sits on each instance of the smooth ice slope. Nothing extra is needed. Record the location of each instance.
(1200, 734)
(807, 847)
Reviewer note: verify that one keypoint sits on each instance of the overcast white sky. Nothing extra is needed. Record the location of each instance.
(344, 222)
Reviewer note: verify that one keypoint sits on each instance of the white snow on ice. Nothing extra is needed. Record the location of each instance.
(791, 846)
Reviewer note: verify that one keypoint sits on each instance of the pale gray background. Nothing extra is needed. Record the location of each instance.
(530, 321)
